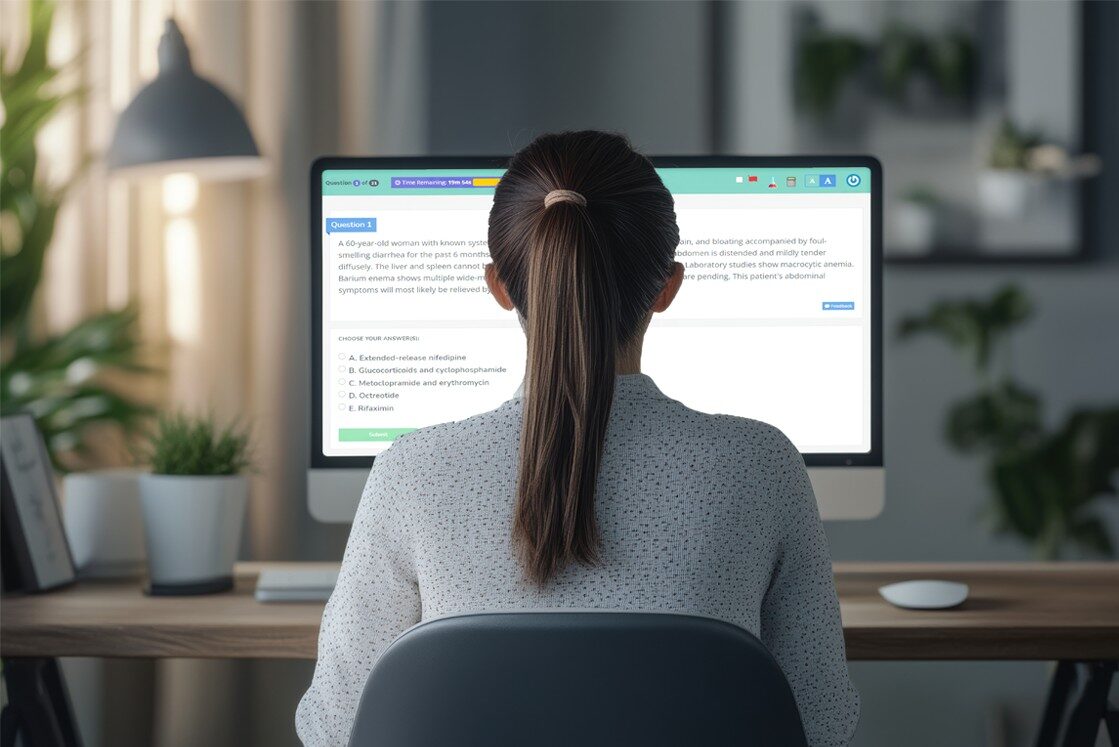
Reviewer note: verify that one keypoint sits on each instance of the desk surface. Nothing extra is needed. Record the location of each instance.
(1019, 611)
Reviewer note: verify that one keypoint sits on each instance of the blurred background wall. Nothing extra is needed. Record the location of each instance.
(219, 271)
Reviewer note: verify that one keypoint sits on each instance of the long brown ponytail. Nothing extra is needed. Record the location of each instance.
(583, 271)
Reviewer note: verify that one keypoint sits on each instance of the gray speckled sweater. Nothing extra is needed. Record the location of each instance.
(710, 514)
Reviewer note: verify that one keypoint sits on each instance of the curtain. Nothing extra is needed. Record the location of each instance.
(220, 273)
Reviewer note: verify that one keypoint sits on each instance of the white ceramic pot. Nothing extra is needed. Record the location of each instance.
(101, 512)
(1007, 193)
(914, 229)
(192, 526)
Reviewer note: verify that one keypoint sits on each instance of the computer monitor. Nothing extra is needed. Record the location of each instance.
(778, 319)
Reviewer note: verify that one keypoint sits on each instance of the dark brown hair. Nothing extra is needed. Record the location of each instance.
(584, 278)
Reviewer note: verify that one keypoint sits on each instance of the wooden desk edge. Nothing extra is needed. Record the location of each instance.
(297, 638)
(869, 643)
(166, 642)
(905, 568)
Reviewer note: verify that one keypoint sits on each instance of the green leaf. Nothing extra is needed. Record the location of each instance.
(952, 62)
(56, 379)
(1005, 417)
(899, 56)
(1090, 439)
(824, 63)
(1012, 147)
(1020, 503)
(21, 272)
(973, 326)
(1044, 491)
(1091, 534)
(185, 445)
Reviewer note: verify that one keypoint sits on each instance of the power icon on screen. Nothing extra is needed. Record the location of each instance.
(854, 180)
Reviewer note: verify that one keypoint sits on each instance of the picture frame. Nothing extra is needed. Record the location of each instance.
(36, 553)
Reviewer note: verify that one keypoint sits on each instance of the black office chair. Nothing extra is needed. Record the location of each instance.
(577, 679)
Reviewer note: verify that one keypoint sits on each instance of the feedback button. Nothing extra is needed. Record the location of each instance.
(839, 305)
(351, 225)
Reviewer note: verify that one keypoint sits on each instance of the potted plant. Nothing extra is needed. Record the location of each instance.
(1048, 483)
(193, 504)
(1024, 170)
(1007, 184)
(69, 380)
(829, 82)
(926, 74)
(915, 217)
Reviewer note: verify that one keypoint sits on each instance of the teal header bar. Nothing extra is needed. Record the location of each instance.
(728, 181)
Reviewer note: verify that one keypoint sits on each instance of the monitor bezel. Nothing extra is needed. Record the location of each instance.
(871, 458)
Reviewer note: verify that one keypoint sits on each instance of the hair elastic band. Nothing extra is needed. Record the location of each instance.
(563, 195)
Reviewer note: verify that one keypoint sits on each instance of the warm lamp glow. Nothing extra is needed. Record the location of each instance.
(180, 193)
(183, 279)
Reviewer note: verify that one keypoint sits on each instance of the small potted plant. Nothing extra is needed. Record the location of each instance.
(925, 74)
(830, 82)
(193, 503)
(1024, 170)
(1006, 186)
(915, 216)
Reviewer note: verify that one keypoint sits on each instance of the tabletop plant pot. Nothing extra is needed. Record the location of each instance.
(101, 512)
(193, 530)
(193, 505)
(1008, 193)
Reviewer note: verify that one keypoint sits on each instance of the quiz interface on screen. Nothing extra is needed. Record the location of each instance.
(772, 321)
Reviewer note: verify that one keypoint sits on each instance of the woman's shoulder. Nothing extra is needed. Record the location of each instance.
(443, 440)
(727, 430)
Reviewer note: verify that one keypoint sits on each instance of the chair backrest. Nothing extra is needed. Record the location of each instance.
(537, 679)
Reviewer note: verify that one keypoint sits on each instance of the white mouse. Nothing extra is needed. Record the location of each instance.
(924, 594)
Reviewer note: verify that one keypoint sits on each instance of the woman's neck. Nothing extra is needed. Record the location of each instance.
(629, 360)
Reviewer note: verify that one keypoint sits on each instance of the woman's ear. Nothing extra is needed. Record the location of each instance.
(497, 288)
(671, 288)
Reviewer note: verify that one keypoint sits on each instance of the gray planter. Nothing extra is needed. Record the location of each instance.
(192, 526)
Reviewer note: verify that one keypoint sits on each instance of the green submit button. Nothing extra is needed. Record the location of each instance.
(372, 434)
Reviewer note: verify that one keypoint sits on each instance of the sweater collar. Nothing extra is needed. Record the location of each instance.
(625, 385)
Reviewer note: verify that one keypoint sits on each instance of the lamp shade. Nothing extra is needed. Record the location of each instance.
(181, 122)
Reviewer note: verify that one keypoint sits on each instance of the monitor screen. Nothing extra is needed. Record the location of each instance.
(774, 319)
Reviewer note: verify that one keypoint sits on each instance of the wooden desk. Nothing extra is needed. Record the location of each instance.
(1022, 611)
(1045, 611)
